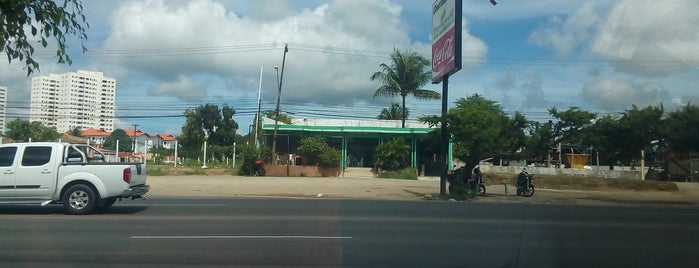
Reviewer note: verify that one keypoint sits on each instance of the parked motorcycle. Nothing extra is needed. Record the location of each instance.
(475, 181)
(525, 183)
(259, 168)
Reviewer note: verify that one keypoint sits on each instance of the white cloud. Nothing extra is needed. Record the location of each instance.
(333, 47)
(650, 37)
(615, 94)
(566, 34)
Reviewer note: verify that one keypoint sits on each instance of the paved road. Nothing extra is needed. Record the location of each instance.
(225, 232)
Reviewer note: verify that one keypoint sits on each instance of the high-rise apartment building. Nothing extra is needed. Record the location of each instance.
(81, 99)
(3, 108)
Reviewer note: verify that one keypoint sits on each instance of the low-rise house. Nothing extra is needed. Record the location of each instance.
(96, 137)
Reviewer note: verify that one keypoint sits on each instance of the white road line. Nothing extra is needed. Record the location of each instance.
(241, 237)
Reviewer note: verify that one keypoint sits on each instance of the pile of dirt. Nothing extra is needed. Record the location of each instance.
(568, 182)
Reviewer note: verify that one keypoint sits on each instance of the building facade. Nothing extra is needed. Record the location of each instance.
(81, 99)
(3, 109)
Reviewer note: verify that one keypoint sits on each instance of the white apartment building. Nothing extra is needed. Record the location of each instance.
(81, 99)
(3, 109)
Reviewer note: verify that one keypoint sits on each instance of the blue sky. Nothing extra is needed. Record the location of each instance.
(167, 56)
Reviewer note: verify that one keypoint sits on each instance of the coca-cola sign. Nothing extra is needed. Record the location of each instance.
(446, 38)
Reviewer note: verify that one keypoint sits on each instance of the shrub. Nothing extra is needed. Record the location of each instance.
(316, 151)
(247, 157)
(392, 155)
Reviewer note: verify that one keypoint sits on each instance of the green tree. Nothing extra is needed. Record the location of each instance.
(539, 141)
(22, 130)
(209, 121)
(682, 130)
(566, 128)
(125, 141)
(392, 155)
(406, 73)
(395, 112)
(606, 136)
(481, 129)
(22, 19)
(569, 123)
(640, 127)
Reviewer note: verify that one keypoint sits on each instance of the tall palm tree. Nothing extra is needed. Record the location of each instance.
(395, 112)
(405, 75)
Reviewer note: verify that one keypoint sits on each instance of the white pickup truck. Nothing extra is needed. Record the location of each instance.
(76, 176)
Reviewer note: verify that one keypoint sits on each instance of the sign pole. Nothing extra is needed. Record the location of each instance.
(444, 148)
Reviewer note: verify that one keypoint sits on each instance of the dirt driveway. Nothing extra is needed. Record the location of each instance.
(393, 189)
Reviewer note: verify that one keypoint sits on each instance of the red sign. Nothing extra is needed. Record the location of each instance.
(446, 38)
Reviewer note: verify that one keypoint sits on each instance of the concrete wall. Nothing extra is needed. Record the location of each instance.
(591, 173)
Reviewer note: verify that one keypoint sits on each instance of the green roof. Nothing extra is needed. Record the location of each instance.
(348, 129)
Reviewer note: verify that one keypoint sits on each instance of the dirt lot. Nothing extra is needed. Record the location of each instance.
(550, 189)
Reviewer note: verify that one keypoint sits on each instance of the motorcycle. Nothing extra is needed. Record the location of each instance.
(525, 184)
(477, 181)
(474, 182)
(259, 168)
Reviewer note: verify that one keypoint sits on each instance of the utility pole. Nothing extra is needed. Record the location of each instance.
(259, 106)
(133, 149)
(276, 116)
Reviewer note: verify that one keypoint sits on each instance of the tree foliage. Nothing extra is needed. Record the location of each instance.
(213, 124)
(569, 123)
(405, 75)
(23, 130)
(481, 129)
(271, 114)
(125, 141)
(22, 21)
(395, 112)
(682, 130)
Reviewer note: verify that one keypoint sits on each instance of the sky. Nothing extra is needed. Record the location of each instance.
(528, 56)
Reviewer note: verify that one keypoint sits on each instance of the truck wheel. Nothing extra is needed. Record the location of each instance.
(79, 199)
(105, 203)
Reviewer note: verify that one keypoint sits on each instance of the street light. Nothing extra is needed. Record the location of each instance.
(279, 95)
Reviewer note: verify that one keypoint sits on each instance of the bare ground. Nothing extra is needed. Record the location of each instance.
(550, 189)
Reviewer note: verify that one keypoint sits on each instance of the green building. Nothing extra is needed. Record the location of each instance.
(356, 138)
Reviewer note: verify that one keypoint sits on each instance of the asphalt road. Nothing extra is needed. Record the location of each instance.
(229, 232)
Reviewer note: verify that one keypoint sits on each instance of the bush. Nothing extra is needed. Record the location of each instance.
(247, 157)
(330, 158)
(462, 192)
(392, 155)
(316, 151)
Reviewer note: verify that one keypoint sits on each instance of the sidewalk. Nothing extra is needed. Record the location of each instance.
(392, 189)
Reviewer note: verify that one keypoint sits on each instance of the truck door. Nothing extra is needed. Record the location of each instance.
(36, 175)
(7, 172)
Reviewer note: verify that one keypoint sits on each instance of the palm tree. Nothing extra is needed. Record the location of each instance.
(395, 112)
(405, 75)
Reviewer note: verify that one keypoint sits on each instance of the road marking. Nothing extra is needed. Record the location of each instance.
(241, 237)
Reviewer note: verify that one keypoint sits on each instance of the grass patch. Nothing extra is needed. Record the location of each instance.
(156, 172)
(405, 174)
(169, 170)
